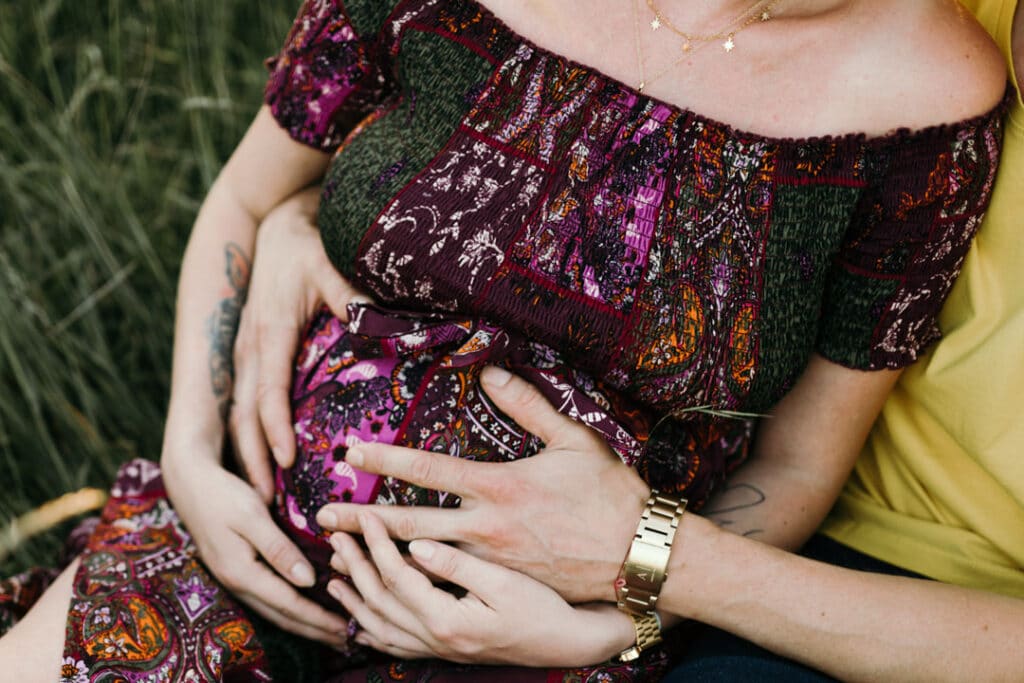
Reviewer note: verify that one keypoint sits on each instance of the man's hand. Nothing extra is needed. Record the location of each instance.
(565, 516)
(504, 618)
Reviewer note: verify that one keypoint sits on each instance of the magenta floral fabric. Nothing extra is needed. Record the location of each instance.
(412, 380)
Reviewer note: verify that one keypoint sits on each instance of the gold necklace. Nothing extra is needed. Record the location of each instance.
(759, 11)
(641, 63)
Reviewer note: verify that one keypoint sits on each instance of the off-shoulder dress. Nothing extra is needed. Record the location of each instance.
(502, 203)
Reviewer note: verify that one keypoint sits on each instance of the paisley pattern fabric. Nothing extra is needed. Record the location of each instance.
(654, 271)
(143, 608)
(412, 380)
(688, 267)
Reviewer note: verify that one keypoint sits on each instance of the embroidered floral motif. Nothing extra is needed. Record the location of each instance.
(73, 671)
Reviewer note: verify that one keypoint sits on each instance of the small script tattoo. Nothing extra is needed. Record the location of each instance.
(222, 326)
(735, 499)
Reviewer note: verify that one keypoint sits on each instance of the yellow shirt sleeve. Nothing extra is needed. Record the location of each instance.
(939, 487)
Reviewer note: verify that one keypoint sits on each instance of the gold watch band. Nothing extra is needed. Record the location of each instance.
(643, 572)
(648, 634)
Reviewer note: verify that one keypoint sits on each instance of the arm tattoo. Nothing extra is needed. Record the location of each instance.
(736, 498)
(222, 327)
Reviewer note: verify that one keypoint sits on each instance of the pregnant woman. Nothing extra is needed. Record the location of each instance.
(667, 217)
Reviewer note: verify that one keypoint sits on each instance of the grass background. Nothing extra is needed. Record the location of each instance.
(115, 117)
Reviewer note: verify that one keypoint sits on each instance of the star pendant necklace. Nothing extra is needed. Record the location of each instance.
(760, 11)
(692, 42)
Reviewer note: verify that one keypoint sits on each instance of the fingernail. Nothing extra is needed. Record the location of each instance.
(495, 376)
(354, 457)
(421, 550)
(335, 593)
(278, 454)
(303, 574)
(360, 299)
(327, 519)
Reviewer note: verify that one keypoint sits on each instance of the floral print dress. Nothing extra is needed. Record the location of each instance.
(644, 265)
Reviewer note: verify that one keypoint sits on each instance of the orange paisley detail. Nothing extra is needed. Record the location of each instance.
(743, 343)
(684, 336)
(240, 640)
(938, 186)
(137, 634)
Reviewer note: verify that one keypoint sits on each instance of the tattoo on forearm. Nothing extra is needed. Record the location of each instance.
(222, 326)
(734, 499)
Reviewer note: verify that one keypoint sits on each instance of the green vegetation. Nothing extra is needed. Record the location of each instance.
(115, 116)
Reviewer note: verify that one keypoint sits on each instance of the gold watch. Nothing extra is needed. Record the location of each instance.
(648, 634)
(643, 572)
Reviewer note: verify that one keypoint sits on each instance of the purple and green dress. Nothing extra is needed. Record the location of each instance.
(503, 204)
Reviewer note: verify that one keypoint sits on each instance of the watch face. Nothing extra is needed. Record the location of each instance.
(645, 566)
(639, 575)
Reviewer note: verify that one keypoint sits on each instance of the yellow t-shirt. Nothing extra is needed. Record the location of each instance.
(939, 488)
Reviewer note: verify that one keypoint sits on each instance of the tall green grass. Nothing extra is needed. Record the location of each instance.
(115, 116)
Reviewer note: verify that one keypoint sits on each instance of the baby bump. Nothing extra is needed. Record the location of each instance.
(411, 380)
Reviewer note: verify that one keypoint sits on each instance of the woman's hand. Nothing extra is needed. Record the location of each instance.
(291, 276)
(504, 618)
(564, 517)
(243, 547)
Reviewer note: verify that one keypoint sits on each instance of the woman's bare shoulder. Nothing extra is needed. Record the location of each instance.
(938, 62)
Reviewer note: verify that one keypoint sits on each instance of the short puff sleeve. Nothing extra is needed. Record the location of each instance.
(326, 77)
(925, 198)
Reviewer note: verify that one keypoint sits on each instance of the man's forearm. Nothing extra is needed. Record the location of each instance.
(852, 625)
